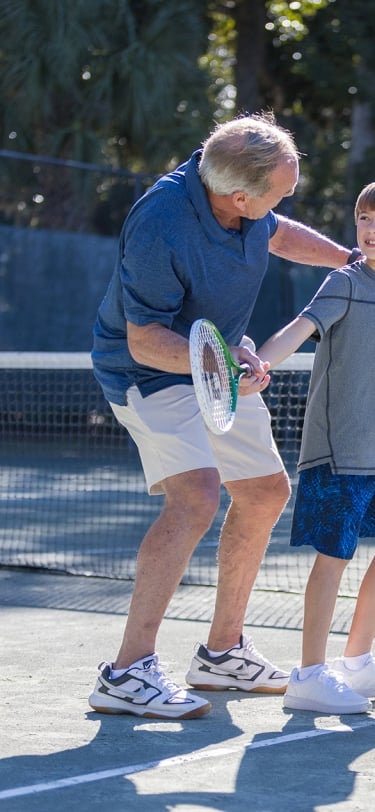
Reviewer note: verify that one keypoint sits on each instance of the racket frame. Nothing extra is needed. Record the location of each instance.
(233, 370)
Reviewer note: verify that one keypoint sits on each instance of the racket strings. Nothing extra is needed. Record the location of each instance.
(211, 370)
(216, 378)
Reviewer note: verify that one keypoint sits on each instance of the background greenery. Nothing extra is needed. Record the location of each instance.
(131, 87)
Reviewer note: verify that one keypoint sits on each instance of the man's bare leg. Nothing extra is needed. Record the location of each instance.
(256, 506)
(191, 502)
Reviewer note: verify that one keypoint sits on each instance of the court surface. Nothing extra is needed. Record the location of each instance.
(248, 753)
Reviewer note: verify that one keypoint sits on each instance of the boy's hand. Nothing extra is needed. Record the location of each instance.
(256, 378)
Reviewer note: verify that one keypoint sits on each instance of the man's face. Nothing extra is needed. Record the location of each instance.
(283, 181)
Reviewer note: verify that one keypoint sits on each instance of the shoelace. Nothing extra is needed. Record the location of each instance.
(162, 678)
(249, 646)
(332, 677)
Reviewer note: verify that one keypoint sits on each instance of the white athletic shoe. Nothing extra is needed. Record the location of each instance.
(241, 668)
(144, 690)
(323, 691)
(361, 681)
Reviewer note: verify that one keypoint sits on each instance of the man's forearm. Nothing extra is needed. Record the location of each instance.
(299, 243)
(155, 346)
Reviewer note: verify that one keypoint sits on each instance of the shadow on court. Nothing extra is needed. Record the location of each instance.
(124, 744)
(248, 753)
(205, 766)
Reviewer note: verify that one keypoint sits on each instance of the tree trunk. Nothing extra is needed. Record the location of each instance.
(359, 172)
(250, 18)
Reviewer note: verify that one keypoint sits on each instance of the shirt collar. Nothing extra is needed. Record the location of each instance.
(199, 200)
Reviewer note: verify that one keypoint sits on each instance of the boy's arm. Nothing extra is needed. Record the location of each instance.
(286, 341)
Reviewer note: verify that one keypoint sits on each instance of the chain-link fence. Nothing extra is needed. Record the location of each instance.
(52, 193)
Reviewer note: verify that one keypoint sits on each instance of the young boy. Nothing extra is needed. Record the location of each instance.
(335, 501)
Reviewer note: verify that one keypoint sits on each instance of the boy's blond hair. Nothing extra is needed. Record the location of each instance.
(365, 201)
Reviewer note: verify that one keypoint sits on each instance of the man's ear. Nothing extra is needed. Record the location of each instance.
(239, 201)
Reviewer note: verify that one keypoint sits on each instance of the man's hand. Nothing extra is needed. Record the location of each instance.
(255, 378)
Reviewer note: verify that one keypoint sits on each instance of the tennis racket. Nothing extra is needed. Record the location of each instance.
(216, 376)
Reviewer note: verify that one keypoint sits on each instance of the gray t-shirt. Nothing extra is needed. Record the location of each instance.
(339, 426)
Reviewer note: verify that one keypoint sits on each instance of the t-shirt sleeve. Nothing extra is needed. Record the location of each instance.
(272, 223)
(330, 303)
(152, 288)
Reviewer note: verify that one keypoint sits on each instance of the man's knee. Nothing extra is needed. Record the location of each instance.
(274, 486)
(277, 493)
(195, 495)
(283, 487)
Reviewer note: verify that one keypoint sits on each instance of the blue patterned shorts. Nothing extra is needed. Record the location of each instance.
(332, 511)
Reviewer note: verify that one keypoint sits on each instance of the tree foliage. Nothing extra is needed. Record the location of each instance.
(313, 63)
(137, 84)
(114, 82)
(79, 74)
(326, 78)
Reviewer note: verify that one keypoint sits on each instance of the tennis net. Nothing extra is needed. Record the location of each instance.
(73, 496)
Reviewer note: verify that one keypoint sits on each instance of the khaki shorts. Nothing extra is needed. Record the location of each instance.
(172, 438)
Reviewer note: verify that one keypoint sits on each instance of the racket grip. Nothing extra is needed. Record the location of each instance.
(247, 368)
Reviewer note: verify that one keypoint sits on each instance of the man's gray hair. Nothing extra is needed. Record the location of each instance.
(240, 155)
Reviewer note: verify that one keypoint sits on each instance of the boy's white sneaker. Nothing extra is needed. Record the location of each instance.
(323, 691)
(361, 681)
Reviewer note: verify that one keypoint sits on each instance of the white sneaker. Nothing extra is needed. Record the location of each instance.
(323, 691)
(145, 690)
(241, 668)
(361, 681)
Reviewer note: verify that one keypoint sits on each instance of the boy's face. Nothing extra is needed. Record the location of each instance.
(366, 236)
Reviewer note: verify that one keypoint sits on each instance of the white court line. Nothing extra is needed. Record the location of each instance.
(87, 778)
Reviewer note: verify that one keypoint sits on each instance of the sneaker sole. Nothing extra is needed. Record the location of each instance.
(296, 703)
(258, 689)
(111, 709)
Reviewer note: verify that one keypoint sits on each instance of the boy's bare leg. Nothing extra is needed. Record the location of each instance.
(320, 599)
(362, 630)
(322, 689)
